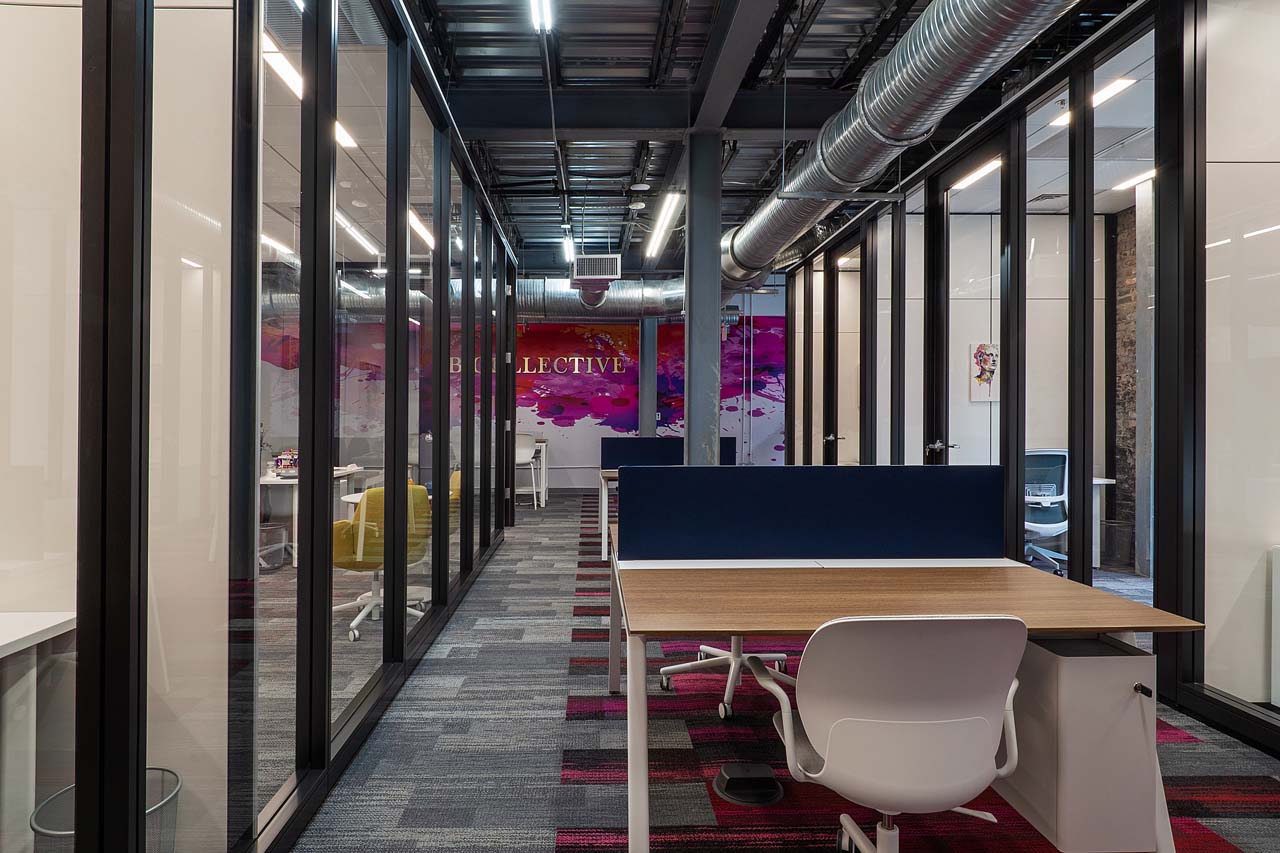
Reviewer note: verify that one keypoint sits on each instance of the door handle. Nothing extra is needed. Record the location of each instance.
(938, 446)
(834, 438)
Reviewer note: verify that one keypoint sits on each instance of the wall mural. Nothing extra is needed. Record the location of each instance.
(577, 382)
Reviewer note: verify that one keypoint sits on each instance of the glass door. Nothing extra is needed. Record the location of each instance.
(845, 339)
(967, 329)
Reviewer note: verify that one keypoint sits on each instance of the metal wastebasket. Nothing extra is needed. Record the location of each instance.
(54, 820)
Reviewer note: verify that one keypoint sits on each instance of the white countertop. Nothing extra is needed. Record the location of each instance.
(23, 630)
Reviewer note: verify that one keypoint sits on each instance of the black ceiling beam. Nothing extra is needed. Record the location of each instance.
(888, 25)
(670, 26)
(639, 173)
(438, 42)
(772, 36)
(735, 35)
(807, 14)
(606, 114)
(619, 195)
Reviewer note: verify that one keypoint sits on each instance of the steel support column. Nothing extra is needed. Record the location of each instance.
(702, 302)
(648, 376)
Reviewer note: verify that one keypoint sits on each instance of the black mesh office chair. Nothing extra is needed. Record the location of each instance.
(1046, 504)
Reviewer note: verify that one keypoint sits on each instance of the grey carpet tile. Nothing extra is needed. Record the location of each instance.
(470, 755)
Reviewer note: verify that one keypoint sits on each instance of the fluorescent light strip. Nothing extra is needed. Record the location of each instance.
(546, 15)
(344, 139)
(1112, 89)
(1104, 94)
(355, 233)
(289, 75)
(977, 175)
(357, 291)
(1217, 278)
(535, 9)
(191, 263)
(1135, 180)
(670, 202)
(421, 230)
(569, 254)
(273, 243)
(1217, 244)
(280, 64)
(1262, 231)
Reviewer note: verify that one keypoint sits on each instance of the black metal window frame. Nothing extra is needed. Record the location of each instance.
(111, 722)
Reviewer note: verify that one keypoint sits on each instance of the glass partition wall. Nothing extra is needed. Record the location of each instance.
(255, 451)
(1084, 297)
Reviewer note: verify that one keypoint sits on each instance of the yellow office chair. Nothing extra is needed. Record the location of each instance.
(359, 545)
(455, 485)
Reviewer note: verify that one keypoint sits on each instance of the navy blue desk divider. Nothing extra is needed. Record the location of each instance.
(616, 451)
(810, 512)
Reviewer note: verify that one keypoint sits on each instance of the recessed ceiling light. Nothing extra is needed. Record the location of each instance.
(1218, 243)
(359, 203)
(636, 205)
(346, 185)
(640, 187)
(977, 175)
(1112, 89)
(1135, 180)
(346, 140)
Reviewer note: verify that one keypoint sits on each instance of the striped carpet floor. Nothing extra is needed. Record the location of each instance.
(505, 740)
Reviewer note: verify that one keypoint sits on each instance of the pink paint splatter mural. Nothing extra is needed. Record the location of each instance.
(574, 376)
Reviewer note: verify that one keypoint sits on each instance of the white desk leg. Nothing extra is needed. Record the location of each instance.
(1097, 525)
(546, 468)
(615, 634)
(604, 519)
(18, 757)
(295, 524)
(637, 747)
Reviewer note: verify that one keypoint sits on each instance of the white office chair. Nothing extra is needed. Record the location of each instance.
(1046, 504)
(902, 715)
(525, 447)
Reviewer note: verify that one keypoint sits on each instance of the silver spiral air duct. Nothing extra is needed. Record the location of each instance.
(625, 301)
(948, 53)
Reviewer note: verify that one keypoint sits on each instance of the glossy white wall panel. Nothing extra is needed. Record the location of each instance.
(913, 384)
(189, 399)
(1242, 77)
(1242, 410)
(39, 306)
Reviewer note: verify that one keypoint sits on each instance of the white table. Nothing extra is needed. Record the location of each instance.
(607, 476)
(339, 474)
(1098, 483)
(20, 634)
(690, 599)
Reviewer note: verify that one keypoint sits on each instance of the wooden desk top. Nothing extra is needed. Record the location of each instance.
(609, 475)
(750, 601)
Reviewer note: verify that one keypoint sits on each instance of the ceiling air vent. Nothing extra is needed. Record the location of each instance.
(597, 268)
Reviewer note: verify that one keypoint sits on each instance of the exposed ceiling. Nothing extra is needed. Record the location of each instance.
(628, 80)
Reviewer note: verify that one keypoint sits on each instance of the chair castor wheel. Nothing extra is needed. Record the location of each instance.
(664, 682)
(353, 635)
(726, 711)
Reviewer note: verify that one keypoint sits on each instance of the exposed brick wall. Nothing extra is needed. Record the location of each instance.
(1126, 349)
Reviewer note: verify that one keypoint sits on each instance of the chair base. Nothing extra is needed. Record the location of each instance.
(747, 784)
(853, 838)
(371, 604)
(710, 657)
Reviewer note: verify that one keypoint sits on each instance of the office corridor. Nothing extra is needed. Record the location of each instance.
(504, 739)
